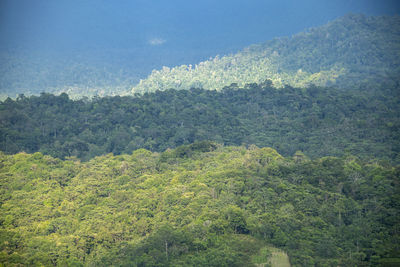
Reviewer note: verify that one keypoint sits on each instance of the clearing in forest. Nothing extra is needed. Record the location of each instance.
(271, 256)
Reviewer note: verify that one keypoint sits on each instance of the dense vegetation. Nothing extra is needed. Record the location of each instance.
(177, 178)
(352, 51)
(317, 121)
(197, 205)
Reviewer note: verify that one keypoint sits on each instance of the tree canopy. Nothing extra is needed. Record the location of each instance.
(352, 51)
(197, 205)
(317, 121)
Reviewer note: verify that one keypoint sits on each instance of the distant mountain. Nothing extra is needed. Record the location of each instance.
(84, 72)
(77, 73)
(352, 51)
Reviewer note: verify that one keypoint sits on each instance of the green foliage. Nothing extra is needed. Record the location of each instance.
(317, 121)
(352, 51)
(160, 194)
(209, 206)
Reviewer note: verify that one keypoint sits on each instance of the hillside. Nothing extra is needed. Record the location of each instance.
(284, 154)
(198, 205)
(84, 72)
(317, 121)
(352, 51)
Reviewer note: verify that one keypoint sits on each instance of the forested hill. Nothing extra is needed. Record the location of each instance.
(317, 121)
(197, 205)
(352, 51)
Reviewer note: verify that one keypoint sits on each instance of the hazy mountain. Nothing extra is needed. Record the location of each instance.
(85, 72)
(352, 51)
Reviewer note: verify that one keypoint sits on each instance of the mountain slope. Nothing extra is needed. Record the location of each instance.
(197, 205)
(84, 72)
(354, 50)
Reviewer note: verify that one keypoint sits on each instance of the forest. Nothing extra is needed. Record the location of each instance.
(289, 149)
(317, 121)
(177, 178)
(353, 51)
(202, 204)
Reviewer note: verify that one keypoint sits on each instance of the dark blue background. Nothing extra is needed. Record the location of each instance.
(187, 30)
